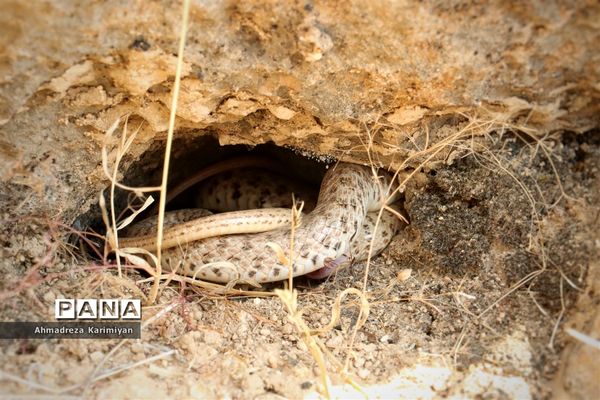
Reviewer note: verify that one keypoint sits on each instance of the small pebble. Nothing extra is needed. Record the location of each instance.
(273, 361)
(96, 356)
(359, 362)
(137, 348)
(334, 342)
(265, 332)
(363, 373)
(287, 329)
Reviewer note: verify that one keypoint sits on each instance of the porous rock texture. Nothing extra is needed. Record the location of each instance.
(356, 81)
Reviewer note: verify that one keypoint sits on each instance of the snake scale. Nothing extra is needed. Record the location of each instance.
(339, 227)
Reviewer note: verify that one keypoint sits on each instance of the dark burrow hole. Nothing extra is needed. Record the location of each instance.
(191, 155)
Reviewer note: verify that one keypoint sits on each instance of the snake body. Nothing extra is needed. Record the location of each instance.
(341, 224)
(252, 189)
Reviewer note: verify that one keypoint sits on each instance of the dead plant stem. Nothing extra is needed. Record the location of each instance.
(165, 174)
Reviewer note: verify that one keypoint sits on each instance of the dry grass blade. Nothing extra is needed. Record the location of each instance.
(290, 299)
(122, 149)
(590, 341)
(127, 221)
(336, 311)
(295, 223)
(123, 146)
(165, 175)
